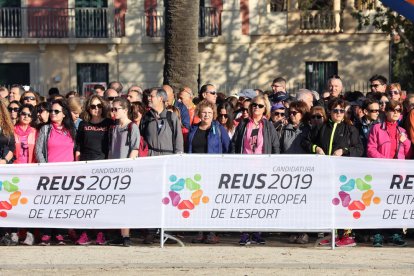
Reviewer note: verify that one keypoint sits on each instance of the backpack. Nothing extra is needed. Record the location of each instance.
(145, 123)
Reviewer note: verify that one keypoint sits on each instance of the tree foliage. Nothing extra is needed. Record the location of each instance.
(401, 31)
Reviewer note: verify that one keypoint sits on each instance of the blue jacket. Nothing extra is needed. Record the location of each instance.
(185, 116)
(218, 141)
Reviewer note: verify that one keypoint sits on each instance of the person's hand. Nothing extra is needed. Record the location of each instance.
(338, 152)
(2, 161)
(403, 137)
(319, 150)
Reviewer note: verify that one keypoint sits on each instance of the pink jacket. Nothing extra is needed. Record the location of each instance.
(379, 143)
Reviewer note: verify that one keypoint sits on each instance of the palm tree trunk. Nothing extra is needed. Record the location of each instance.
(181, 43)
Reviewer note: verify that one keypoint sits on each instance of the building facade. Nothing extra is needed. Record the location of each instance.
(242, 43)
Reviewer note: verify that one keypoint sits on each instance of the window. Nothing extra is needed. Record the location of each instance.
(14, 73)
(10, 18)
(318, 73)
(91, 18)
(278, 5)
(365, 5)
(91, 72)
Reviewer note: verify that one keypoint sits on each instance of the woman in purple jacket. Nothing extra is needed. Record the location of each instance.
(388, 140)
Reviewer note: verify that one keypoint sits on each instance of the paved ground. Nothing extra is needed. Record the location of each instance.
(275, 258)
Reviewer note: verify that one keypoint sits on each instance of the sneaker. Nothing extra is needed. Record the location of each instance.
(6, 240)
(346, 241)
(302, 239)
(116, 241)
(244, 239)
(83, 239)
(257, 238)
(60, 240)
(293, 238)
(14, 239)
(45, 240)
(397, 240)
(328, 241)
(100, 239)
(378, 240)
(211, 238)
(126, 241)
(29, 240)
(149, 239)
(201, 238)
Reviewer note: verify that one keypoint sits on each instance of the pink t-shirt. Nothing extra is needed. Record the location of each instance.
(59, 146)
(24, 151)
(253, 139)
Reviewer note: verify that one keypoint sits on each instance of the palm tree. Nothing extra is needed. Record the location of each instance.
(181, 43)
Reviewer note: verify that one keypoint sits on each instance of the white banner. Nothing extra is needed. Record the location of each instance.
(211, 192)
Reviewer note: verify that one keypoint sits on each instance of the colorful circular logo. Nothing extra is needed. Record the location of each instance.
(14, 196)
(177, 189)
(363, 187)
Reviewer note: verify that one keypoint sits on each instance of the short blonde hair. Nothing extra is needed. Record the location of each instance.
(266, 101)
(74, 104)
(203, 104)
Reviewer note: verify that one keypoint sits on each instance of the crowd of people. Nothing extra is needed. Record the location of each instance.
(111, 124)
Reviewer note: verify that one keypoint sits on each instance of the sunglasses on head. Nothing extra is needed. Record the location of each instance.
(29, 98)
(55, 111)
(96, 106)
(338, 111)
(317, 117)
(282, 114)
(13, 109)
(257, 105)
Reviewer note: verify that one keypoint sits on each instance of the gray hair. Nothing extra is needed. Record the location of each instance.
(160, 93)
(302, 92)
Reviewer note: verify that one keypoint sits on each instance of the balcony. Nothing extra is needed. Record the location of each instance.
(61, 23)
(318, 21)
(209, 23)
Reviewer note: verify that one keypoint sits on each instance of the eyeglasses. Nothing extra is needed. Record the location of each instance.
(395, 110)
(326, 98)
(375, 85)
(13, 109)
(257, 105)
(317, 117)
(394, 92)
(223, 115)
(338, 111)
(110, 98)
(116, 109)
(96, 106)
(383, 102)
(25, 114)
(293, 113)
(29, 98)
(373, 110)
(212, 92)
(42, 110)
(55, 111)
(282, 114)
(244, 109)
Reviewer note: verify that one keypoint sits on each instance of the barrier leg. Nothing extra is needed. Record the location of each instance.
(162, 238)
(333, 239)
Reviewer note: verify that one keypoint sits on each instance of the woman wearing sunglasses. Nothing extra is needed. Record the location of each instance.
(394, 92)
(225, 117)
(388, 140)
(336, 137)
(42, 114)
(30, 97)
(278, 117)
(56, 143)
(92, 143)
(25, 136)
(317, 116)
(14, 109)
(255, 135)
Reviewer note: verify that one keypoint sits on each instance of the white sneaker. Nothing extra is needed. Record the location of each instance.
(29, 239)
(14, 238)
